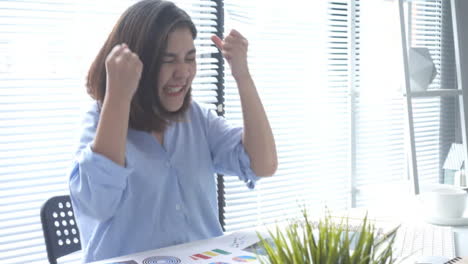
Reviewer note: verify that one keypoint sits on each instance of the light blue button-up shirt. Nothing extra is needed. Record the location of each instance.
(165, 195)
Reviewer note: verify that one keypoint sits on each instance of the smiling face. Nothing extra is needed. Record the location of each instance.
(178, 69)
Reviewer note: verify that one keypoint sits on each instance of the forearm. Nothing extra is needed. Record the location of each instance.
(111, 133)
(257, 138)
(97, 184)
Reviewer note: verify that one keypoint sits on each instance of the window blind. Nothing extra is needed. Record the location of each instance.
(378, 109)
(337, 115)
(381, 117)
(306, 103)
(362, 100)
(437, 118)
(46, 48)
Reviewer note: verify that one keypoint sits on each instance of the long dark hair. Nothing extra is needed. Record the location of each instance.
(144, 27)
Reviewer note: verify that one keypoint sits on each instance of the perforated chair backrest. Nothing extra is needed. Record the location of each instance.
(59, 226)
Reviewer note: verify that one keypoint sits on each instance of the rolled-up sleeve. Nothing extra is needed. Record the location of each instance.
(96, 183)
(228, 152)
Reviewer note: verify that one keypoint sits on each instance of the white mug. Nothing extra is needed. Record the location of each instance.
(445, 202)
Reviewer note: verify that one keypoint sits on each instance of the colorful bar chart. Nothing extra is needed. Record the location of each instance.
(209, 254)
(244, 259)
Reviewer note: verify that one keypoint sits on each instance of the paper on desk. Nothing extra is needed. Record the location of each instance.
(225, 249)
(232, 248)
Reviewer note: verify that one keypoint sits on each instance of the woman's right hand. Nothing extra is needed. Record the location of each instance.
(123, 69)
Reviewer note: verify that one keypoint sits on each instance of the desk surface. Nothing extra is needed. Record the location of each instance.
(412, 213)
(461, 240)
(222, 249)
(229, 249)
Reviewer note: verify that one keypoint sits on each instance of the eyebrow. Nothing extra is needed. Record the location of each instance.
(169, 54)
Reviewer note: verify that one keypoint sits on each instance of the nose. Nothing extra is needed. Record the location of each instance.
(182, 70)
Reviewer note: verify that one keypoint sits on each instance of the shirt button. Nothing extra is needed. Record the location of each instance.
(177, 207)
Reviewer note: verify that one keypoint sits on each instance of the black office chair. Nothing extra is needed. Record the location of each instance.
(60, 230)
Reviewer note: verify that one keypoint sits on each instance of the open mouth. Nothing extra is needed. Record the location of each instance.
(174, 90)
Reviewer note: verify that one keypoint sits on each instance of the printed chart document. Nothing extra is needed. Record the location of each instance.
(413, 240)
(238, 247)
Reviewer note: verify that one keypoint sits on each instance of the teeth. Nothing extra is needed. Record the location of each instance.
(174, 89)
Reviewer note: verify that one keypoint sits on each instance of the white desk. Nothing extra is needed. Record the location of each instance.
(461, 240)
(410, 211)
(233, 245)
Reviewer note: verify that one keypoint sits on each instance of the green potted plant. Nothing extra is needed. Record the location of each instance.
(329, 242)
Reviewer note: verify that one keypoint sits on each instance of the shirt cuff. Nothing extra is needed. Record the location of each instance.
(249, 176)
(103, 171)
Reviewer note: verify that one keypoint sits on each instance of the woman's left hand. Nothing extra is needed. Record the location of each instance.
(234, 48)
(257, 136)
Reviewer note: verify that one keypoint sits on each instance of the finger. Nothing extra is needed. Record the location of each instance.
(235, 33)
(123, 48)
(241, 46)
(235, 36)
(227, 55)
(227, 46)
(135, 56)
(116, 50)
(124, 55)
(229, 38)
(217, 41)
(126, 52)
(135, 59)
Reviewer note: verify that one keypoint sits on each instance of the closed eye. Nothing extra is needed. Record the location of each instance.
(168, 59)
(191, 55)
(172, 57)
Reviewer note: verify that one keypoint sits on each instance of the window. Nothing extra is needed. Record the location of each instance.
(46, 48)
(381, 169)
(327, 73)
(438, 120)
(307, 105)
(340, 129)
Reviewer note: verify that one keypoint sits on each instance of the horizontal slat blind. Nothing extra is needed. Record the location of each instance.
(380, 124)
(436, 118)
(46, 48)
(306, 105)
(380, 146)
(41, 95)
(381, 140)
(203, 13)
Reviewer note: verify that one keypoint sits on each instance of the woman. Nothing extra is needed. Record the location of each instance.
(144, 171)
